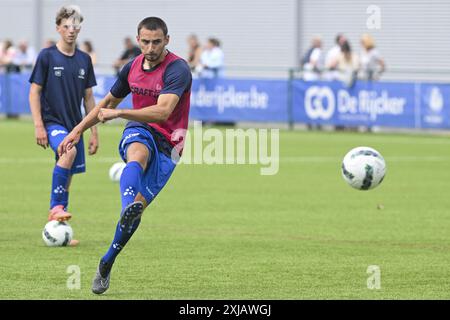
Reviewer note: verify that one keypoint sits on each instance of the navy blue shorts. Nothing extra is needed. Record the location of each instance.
(159, 166)
(56, 134)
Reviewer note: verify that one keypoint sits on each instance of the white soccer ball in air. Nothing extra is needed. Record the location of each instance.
(57, 234)
(116, 171)
(363, 168)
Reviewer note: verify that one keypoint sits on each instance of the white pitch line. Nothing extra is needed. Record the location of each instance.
(50, 160)
(299, 159)
(313, 159)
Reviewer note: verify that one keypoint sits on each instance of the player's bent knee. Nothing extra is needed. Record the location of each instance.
(71, 154)
(138, 152)
(68, 158)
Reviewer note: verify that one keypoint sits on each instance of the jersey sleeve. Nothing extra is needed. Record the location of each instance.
(177, 78)
(91, 82)
(40, 70)
(121, 87)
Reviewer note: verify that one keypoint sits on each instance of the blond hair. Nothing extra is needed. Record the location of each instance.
(367, 41)
(69, 11)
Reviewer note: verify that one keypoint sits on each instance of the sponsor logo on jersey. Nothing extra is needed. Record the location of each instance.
(81, 73)
(58, 71)
(145, 92)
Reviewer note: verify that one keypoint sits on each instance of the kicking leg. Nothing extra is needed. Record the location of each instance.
(137, 158)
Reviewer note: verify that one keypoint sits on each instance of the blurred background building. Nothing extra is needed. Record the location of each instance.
(259, 37)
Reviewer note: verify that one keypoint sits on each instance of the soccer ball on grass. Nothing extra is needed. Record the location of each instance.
(363, 168)
(57, 234)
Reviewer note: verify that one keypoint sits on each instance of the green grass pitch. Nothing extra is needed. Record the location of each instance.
(226, 232)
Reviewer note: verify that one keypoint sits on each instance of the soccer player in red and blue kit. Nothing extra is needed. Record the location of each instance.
(160, 84)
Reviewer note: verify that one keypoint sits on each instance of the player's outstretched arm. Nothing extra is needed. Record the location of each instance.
(159, 112)
(91, 119)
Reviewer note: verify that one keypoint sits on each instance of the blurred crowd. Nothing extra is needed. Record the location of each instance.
(22, 57)
(16, 58)
(341, 62)
(205, 61)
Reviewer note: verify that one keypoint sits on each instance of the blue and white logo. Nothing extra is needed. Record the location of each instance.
(131, 135)
(58, 71)
(81, 73)
(129, 192)
(229, 98)
(55, 132)
(435, 100)
(150, 192)
(319, 103)
(59, 190)
(117, 246)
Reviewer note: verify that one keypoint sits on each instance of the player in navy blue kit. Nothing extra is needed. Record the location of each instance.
(62, 79)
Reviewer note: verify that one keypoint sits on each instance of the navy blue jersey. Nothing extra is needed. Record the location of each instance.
(64, 80)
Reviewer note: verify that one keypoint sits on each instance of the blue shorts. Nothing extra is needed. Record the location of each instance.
(56, 134)
(159, 166)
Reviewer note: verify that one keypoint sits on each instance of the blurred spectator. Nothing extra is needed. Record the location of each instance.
(332, 58)
(348, 65)
(2, 45)
(211, 60)
(7, 53)
(312, 62)
(194, 53)
(372, 65)
(49, 43)
(131, 51)
(87, 47)
(25, 56)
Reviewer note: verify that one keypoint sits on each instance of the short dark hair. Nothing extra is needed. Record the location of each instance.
(153, 23)
(89, 46)
(214, 41)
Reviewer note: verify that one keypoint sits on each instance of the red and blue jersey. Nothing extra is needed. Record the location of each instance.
(173, 76)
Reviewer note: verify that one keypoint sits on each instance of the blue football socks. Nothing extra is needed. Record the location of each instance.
(60, 180)
(130, 182)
